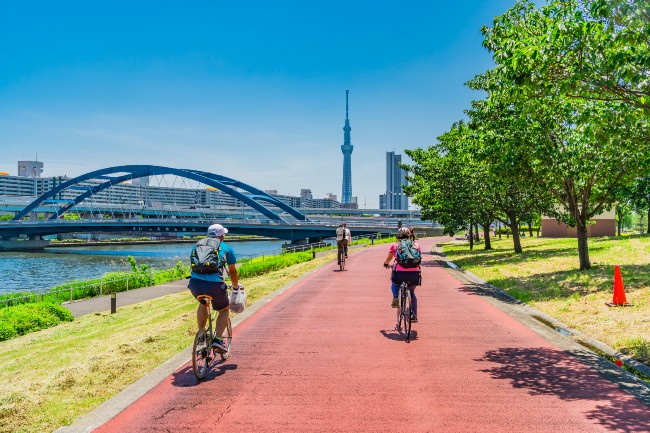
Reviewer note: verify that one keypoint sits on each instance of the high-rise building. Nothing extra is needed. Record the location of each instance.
(395, 179)
(346, 148)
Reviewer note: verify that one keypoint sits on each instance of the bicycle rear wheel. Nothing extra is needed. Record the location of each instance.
(401, 318)
(407, 313)
(341, 259)
(201, 353)
(227, 340)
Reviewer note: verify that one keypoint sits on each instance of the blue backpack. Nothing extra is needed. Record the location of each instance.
(407, 255)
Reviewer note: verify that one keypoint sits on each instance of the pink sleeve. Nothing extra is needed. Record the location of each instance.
(392, 249)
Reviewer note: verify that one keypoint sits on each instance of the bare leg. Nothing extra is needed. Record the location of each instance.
(202, 315)
(222, 321)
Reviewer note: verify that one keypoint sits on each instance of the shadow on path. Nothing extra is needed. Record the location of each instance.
(185, 377)
(544, 371)
(392, 334)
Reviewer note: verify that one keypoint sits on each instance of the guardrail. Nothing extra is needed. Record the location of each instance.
(82, 291)
(314, 245)
(303, 247)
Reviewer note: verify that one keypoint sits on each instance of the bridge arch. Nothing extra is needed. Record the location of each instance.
(224, 184)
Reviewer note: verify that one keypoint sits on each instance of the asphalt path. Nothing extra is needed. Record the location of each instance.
(324, 356)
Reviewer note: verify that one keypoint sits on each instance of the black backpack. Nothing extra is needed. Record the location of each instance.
(204, 258)
(407, 255)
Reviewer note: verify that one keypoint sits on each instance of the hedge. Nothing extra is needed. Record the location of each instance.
(26, 318)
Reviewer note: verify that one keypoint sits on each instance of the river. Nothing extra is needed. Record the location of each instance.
(39, 271)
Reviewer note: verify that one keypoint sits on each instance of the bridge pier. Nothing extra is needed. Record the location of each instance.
(15, 244)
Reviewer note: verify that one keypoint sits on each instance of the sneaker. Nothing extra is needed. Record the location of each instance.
(217, 343)
(395, 303)
(414, 318)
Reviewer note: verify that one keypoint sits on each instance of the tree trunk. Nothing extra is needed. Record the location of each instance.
(530, 228)
(618, 224)
(476, 230)
(514, 228)
(583, 247)
(486, 237)
(470, 235)
(515, 238)
(648, 217)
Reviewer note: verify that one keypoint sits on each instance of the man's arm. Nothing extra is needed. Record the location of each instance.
(232, 270)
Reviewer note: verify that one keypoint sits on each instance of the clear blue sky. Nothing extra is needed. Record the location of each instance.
(253, 90)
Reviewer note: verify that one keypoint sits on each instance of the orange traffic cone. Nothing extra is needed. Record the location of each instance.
(619, 292)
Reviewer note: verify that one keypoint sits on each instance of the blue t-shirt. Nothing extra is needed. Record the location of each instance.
(224, 250)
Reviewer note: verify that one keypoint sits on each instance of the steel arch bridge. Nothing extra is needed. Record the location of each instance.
(115, 175)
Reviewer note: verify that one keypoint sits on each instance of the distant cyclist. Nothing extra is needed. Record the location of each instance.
(412, 237)
(406, 253)
(343, 237)
(209, 280)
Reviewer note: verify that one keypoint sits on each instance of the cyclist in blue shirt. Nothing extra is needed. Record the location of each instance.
(215, 286)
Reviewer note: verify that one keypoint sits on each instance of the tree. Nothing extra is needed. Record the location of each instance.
(502, 138)
(588, 145)
(449, 186)
(640, 197)
(592, 50)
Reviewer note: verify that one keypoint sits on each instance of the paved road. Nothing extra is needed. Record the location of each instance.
(324, 356)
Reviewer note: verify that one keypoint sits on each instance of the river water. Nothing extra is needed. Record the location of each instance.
(40, 271)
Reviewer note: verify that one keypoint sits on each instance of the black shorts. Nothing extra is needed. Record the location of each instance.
(412, 278)
(214, 289)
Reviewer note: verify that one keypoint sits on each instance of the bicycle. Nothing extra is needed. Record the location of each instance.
(203, 354)
(341, 255)
(404, 310)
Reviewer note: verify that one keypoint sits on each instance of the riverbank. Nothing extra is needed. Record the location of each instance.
(82, 243)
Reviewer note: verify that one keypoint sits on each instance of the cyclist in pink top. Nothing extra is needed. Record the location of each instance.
(401, 274)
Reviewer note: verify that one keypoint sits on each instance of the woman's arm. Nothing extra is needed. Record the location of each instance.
(389, 259)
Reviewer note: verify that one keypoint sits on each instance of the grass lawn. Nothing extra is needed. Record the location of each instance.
(51, 377)
(546, 276)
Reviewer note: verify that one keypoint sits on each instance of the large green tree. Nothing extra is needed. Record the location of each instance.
(588, 144)
(447, 184)
(593, 49)
(502, 136)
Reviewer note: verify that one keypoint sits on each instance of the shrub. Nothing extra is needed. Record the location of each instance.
(26, 318)
(7, 331)
(255, 268)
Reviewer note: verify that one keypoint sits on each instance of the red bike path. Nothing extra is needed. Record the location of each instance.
(324, 356)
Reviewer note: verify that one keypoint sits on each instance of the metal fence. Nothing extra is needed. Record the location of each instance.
(102, 287)
(315, 245)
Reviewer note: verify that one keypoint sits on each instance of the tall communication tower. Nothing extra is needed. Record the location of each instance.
(346, 148)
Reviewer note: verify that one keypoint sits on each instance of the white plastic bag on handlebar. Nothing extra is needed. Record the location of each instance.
(238, 299)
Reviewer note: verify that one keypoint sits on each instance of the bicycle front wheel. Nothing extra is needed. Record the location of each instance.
(201, 353)
(227, 340)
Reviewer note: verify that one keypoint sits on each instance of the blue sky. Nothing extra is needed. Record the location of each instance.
(251, 90)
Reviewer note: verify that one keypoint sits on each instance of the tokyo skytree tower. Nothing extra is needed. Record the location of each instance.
(346, 148)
